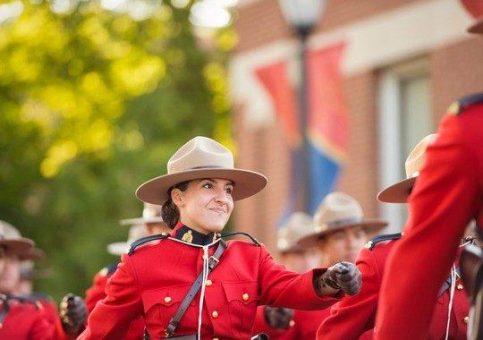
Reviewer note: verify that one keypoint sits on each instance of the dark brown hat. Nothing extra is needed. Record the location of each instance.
(13, 241)
(475, 8)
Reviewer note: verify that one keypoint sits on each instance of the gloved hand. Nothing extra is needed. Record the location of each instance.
(73, 314)
(343, 275)
(278, 317)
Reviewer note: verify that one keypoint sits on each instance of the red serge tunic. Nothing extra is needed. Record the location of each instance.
(155, 279)
(355, 315)
(447, 194)
(26, 320)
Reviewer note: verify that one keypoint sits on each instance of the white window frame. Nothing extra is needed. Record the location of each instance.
(389, 128)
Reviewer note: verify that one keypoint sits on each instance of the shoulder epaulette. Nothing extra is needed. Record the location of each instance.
(381, 238)
(145, 240)
(460, 105)
(253, 239)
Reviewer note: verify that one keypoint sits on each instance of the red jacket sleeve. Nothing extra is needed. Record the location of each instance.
(283, 288)
(445, 198)
(354, 315)
(112, 316)
(96, 292)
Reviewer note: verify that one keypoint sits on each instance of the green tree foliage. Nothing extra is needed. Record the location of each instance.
(92, 103)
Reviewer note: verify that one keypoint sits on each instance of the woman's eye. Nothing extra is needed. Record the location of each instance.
(207, 185)
(229, 190)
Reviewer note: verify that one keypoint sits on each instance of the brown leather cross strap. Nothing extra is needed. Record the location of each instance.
(212, 263)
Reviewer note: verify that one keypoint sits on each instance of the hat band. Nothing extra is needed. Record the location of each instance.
(338, 223)
(207, 167)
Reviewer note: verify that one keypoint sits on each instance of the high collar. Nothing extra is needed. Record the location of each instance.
(188, 235)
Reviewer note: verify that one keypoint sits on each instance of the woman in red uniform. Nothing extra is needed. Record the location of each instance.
(197, 196)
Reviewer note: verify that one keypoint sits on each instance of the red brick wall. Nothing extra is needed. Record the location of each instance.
(456, 71)
(261, 22)
(359, 175)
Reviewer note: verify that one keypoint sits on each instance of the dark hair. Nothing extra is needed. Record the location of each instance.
(169, 210)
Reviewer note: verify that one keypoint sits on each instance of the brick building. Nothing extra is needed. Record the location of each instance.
(405, 62)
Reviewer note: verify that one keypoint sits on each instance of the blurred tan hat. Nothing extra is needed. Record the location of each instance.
(339, 211)
(399, 192)
(298, 225)
(135, 233)
(151, 214)
(475, 8)
(13, 241)
(201, 157)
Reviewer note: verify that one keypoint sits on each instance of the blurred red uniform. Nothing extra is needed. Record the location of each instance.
(354, 316)
(304, 325)
(25, 321)
(97, 292)
(447, 195)
(245, 277)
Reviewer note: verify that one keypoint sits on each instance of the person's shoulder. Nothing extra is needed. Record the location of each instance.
(242, 240)
(381, 240)
(460, 106)
(146, 243)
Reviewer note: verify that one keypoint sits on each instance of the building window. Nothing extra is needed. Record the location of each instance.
(405, 117)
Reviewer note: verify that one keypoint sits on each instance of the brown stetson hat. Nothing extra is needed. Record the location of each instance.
(339, 211)
(201, 157)
(399, 192)
(12, 240)
(151, 214)
(476, 27)
(475, 8)
(34, 254)
(298, 225)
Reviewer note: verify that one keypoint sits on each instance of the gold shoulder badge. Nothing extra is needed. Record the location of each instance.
(187, 237)
(454, 108)
(368, 245)
(103, 271)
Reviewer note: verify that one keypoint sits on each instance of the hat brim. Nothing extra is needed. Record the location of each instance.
(371, 226)
(246, 183)
(476, 28)
(118, 248)
(141, 220)
(21, 246)
(34, 254)
(397, 193)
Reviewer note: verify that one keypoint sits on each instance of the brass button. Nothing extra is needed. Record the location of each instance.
(208, 283)
(214, 314)
(291, 323)
(167, 299)
(466, 319)
(216, 339)
(459, 286)
(245, 297)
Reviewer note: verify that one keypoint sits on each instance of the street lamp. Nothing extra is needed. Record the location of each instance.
(303, 15)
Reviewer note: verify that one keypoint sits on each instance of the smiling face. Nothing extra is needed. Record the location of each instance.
(206, 205)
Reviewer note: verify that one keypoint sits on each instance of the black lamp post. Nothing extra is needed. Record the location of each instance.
(303, 15)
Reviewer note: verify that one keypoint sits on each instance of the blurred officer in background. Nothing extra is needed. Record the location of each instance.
(278, 322)
(149, 223)
(354, 317)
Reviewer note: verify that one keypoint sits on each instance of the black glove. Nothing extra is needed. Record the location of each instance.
(73, 314)
(278, 317)
(343, 275)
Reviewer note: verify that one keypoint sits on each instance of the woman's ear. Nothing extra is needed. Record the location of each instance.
(177, 197)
